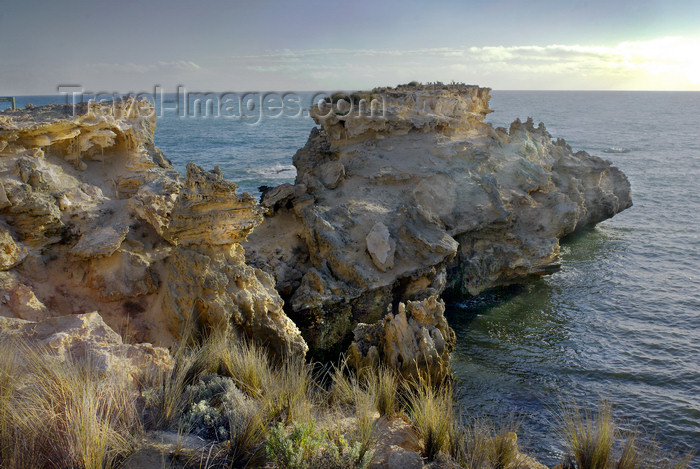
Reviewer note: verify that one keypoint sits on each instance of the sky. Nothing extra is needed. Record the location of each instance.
(131, 46)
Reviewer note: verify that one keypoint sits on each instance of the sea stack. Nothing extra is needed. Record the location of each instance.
(418, 197)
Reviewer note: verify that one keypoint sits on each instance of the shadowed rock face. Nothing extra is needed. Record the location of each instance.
(416, 341)
(94, 218)
(426, 197)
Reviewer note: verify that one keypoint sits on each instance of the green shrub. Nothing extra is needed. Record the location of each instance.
(296, 450)
(308, 448)
(339, 454)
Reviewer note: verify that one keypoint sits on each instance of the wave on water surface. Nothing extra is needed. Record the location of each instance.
(617, 150)
(276, 171)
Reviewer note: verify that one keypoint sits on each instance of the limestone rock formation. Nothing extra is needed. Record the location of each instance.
(208, 282)
(94, 218)
(86, 339)
(416, 341)
(419, 196)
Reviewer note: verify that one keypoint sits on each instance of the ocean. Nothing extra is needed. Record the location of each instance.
(621, 320)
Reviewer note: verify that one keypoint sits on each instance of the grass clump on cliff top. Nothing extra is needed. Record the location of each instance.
(253, 410)
(231, 391)
(589, 439)
(61, 413)
(594, 441)
(483, 444)
(431, 410)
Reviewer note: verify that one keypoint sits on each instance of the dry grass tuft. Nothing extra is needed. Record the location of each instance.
(591, 440)
(62, 413)
(57, 413)
(384, 384)
(482, 444)
(431, 410)
(343, 385)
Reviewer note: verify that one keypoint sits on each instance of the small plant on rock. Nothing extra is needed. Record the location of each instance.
(296, 450)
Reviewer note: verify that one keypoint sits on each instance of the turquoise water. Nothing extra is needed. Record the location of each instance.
(620, 321)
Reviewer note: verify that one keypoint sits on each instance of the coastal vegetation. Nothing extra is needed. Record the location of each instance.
(250, 409)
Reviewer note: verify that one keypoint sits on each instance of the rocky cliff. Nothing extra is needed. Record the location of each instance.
(390, 209)
(94, 218)
(421, 197)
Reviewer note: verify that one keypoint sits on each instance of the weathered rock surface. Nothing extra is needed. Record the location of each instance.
(11, 252)
(381, 247)
(172, 450)
(398, 445)
(421, 197)
(417, 340)
(94, 218)
(86, 338)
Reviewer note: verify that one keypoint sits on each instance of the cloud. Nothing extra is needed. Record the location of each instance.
(156, 67)
(668, 63)
(665, 63)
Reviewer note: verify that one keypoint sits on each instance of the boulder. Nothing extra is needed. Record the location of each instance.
(331, 174)
(86, 338)
(277, 196)
(398, 445)
(11, 253)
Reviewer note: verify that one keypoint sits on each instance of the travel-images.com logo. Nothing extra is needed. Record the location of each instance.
(248, 107)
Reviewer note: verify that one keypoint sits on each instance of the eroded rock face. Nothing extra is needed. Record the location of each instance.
(416, 341)
(94, 218)
(429, 197)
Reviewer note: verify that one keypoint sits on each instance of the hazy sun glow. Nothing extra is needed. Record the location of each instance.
(672, 56)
